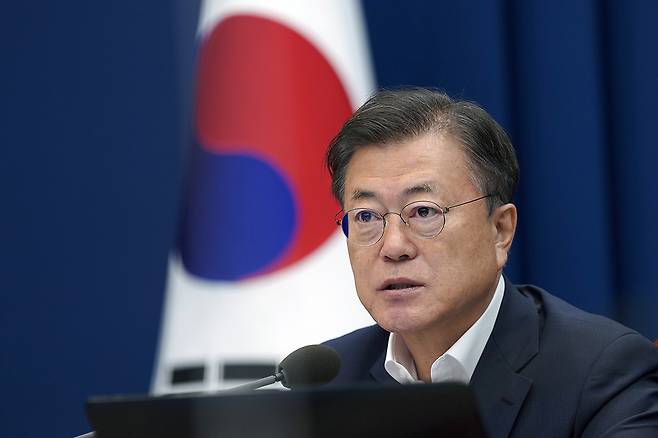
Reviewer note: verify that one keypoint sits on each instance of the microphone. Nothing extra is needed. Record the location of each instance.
(309, 366)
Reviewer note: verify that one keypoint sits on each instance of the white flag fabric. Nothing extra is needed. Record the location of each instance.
(260, 267)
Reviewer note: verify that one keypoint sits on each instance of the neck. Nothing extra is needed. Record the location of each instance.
(425, 350)
(427, 345)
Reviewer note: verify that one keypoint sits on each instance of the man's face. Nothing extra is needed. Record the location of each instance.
(452, 275)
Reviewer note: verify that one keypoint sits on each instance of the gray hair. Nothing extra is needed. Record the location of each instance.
(402, 114)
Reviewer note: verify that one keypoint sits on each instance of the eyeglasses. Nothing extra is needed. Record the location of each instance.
(365, 227)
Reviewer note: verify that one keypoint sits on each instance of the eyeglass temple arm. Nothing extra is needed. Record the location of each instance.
(338, 217)
(447, 209)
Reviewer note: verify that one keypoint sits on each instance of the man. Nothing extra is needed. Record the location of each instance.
(426, 185)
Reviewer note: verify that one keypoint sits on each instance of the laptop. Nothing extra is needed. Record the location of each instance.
(429, 410)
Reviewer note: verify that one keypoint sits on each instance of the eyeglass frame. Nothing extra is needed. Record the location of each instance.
(444, 212)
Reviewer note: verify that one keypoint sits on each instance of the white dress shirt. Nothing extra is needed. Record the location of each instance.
(456, 364)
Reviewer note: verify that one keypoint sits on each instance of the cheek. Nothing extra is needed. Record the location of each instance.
(462, 254)
(477, 262)
(362, 263)
(359, 263)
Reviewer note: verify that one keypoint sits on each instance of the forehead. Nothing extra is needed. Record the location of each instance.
(433, 163)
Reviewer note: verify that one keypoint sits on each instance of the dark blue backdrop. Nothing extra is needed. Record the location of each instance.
(96, 100)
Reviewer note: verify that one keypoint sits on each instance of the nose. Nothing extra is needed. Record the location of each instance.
(396, 244)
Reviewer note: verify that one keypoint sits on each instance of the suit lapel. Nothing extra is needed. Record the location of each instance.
(500, 393)
(498, 387)
(379, 373)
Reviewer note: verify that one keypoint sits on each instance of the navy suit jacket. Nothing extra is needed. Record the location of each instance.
(548, 370)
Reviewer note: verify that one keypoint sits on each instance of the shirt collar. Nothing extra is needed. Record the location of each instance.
(459, 362)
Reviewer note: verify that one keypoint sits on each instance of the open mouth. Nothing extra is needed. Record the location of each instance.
(399, 284)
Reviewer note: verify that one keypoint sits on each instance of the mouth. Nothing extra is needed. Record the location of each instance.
(399, 284)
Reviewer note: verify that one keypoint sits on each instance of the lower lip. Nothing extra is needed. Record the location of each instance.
(400, 293)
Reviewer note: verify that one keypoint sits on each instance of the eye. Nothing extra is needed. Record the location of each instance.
(365, 216)
(424, 212)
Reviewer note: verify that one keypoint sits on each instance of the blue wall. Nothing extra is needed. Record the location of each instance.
(96, 101)
(89, 175)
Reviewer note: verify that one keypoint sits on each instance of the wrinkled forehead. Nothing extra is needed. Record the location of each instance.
(397, 171)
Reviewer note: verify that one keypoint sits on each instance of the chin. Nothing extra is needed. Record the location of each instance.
(399, 322)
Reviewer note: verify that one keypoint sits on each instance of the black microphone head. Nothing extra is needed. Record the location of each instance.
(312, 365)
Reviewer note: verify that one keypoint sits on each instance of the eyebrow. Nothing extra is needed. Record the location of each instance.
(358, 194)
(420, 188)
(362, 194)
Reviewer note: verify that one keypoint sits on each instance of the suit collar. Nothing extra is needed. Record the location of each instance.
(497, 384)
(516, 332)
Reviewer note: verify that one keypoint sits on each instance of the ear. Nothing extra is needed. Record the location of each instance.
(504, 223)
